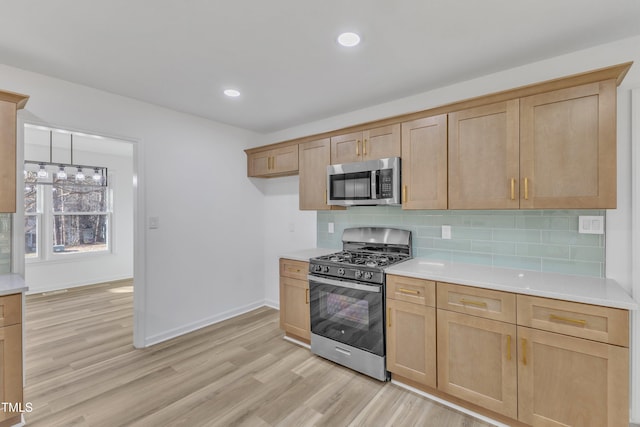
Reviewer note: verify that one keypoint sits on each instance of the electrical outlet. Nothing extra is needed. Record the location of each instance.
(591, 224)
(330, 228)
(446, 232)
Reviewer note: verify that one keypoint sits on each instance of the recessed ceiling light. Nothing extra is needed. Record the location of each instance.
(349, 39)
(232, 93)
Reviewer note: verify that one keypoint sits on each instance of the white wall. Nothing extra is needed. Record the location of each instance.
(46, 275)
(188, 272)
(618, 227)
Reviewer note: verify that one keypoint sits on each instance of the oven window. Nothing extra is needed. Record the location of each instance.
(354, 312)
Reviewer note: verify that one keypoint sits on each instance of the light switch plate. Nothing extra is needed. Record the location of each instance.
(446, 232)
(591, 224)
(154, 222)
(330, 228)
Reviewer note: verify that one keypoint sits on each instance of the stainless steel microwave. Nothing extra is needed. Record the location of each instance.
(373, 182)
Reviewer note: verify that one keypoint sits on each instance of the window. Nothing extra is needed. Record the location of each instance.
(65, 218)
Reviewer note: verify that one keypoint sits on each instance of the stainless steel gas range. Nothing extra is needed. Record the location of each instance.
(347, 297)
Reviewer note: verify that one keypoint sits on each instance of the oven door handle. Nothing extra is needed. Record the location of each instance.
(342, 284)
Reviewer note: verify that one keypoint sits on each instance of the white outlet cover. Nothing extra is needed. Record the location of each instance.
(590, 224)
(446, 232)
(330, 227)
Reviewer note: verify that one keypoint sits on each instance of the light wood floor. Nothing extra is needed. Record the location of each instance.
(81, 369)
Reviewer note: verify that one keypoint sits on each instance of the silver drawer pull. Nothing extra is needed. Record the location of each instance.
(343, 351)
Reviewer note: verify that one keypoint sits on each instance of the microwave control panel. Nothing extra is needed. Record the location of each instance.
(386, 183)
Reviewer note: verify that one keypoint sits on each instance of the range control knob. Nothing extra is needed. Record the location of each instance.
(368, 275)
(317, 267)
(358, 274)
(325, 269)
(341, 271)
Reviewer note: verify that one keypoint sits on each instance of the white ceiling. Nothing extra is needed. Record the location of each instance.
(282, 54)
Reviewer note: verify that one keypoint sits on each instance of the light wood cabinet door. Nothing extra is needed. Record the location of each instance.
(294, 307)
(477, 361)
(380, 143)
(568, 148)
(7, 156)
(566, 381)
(314, 157)
(10, 368)
(346, 148)
(371, 144)
(411, 341)
(424, 163)
(10, 309)
(277, 162)
(484, 157)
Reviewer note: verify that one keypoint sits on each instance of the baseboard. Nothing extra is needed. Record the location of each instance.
(176, 332)
(272, 304)
(449, 404)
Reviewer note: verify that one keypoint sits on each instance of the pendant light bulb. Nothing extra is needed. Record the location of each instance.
(96, 175)
(62, 174)
(42, 172)
(79, 175)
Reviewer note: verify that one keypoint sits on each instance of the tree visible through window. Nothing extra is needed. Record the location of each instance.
(75, 216)
(79, 218)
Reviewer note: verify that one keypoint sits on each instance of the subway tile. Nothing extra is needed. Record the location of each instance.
(588, 253)
(453, 245)
(489, 247)
(544, 251)
(581, 268)
(572, 238)
(472, 258)
(517, 262)
(508, 238)
(529, 236)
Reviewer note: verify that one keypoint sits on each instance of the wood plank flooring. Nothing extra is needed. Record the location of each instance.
(81, 369)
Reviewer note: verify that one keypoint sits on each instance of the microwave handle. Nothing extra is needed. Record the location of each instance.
(374, 185)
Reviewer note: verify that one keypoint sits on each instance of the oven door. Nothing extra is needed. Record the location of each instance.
(348, 312)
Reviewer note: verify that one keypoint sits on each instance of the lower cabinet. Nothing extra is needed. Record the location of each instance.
(411, 339)
(411, 329)
(571, 381)
(477, 361)
(294, 299)
(10, 357)
(555, 363)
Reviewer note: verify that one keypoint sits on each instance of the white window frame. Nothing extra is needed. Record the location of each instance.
(45, 225)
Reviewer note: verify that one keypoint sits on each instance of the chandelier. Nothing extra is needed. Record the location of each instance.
(65, 173)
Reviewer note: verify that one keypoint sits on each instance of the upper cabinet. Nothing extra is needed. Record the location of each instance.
(369, 144)
(10, 103)
(424, 163)
(483, 157)
(568, 148)
(554, 150)
(314, 157)
(278, 161)
(549, 145)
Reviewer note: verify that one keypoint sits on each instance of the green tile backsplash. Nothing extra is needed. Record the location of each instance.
(540, 240)
(5, 243)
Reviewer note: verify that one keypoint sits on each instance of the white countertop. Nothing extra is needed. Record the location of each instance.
(589, 290)
(12, 284)
(305, 254)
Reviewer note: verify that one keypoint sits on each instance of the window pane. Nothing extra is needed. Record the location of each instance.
(31, 236)
(79, 233)
(30, 194)
(77, 198)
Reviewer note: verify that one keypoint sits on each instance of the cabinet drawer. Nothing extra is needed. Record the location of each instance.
(480, 302)
(417, 291)
(604, 324)
(10, 309)
(294, 269)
